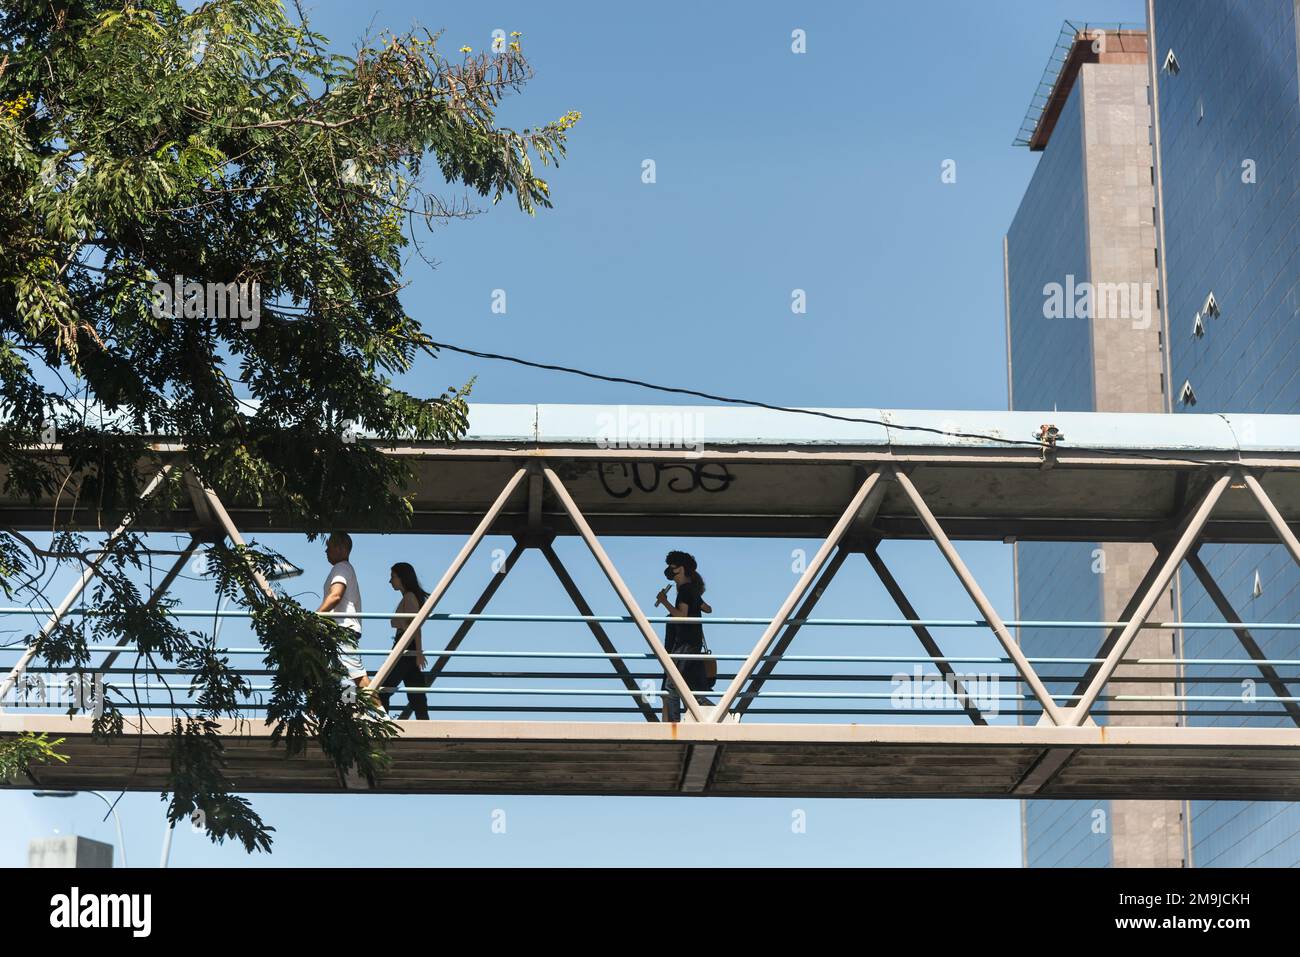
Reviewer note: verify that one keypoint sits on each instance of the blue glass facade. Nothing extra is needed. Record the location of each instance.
(1051, 368)
(1051, 359)
(1055, 582)
(1230, 168)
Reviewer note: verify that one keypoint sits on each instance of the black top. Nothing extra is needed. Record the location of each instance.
(687, 634)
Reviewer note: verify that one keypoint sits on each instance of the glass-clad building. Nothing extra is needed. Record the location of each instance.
(1227, 104)
(1087, 218)
(1051, 368)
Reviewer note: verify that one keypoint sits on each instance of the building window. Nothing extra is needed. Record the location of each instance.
(1198, 326)
(1185, 395)
(1171, 63)
(1211, 307)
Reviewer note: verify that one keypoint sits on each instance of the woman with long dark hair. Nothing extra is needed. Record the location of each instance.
(686, 638)
(409, 669)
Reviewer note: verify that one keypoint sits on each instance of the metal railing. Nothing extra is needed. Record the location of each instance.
(547, 682)
(1099, 685)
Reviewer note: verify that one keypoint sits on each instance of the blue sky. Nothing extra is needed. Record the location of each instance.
(774, 172)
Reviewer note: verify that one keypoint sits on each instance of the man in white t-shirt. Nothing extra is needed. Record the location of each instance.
(343, 595)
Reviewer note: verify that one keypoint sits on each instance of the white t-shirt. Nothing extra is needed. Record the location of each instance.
(351, 602)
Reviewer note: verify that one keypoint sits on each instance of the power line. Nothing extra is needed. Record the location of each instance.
(754, 403)
(728, 399)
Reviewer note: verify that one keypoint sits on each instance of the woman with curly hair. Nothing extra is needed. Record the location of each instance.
(686, 638)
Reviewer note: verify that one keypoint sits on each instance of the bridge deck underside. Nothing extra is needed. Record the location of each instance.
(755, 760)
(977, 496)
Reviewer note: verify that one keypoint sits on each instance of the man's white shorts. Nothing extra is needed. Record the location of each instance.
(352, 663)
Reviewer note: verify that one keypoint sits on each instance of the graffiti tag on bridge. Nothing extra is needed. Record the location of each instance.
(627, 477)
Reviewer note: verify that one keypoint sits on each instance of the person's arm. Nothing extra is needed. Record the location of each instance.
(680, 610)
(706, 607)
(332, 597)
(684, 596)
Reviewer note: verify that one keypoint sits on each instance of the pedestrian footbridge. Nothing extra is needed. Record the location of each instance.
(1115, 720)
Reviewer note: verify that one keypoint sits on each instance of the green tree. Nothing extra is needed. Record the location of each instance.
(22, 750)
(140, 142)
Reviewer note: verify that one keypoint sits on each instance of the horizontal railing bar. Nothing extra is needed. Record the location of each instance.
(928, 711)
(656, 692)
(627, 619)
(1009, 676)
(967, 659)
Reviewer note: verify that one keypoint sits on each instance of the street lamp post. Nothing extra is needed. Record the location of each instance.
(121, 843)
(167, 844)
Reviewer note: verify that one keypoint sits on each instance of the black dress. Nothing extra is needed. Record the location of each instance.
(687, 639)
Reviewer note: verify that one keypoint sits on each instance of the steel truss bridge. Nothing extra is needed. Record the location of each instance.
(1172, 482)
